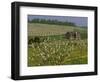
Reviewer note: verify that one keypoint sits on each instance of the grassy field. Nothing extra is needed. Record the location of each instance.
(55, 49)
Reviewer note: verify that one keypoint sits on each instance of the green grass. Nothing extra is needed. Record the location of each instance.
(56, 50)
(36, 29)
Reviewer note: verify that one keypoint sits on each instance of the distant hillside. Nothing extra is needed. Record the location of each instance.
(36, 29)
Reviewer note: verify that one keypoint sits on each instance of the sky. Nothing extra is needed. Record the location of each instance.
(79, 21)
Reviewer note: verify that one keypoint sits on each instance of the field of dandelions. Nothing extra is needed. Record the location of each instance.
(57, 51)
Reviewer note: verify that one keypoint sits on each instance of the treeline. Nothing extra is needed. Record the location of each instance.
(56, 22)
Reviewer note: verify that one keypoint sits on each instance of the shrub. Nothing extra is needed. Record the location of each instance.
(30, 41)
(36, 39)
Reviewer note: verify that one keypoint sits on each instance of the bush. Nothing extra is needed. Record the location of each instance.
(30, 41)
(36, 39)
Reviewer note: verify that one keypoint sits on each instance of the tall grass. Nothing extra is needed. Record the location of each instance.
(57, 52)
(55, 49)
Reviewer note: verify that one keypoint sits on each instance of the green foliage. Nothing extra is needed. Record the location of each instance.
(30, 41)
(56, 22)
(53, 48)
(58, 52)
(37, 39)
